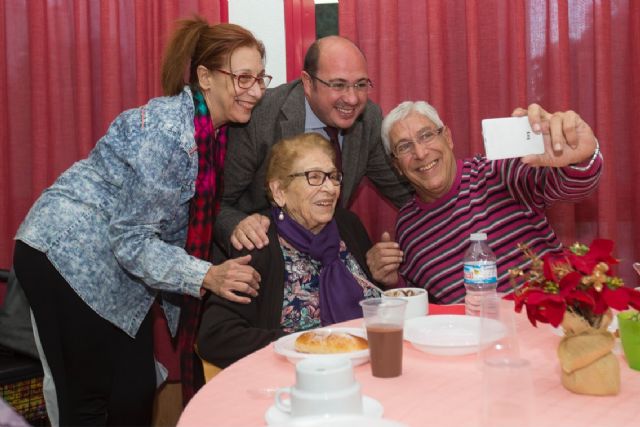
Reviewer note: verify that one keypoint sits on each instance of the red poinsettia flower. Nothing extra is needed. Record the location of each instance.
(518, 298)
(617, 298)
(544, 307)
(599, 251)
(579, 280)
(634, 298)
(570, 282)
(552, 264)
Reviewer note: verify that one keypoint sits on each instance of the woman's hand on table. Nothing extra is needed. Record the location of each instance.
(233, 277)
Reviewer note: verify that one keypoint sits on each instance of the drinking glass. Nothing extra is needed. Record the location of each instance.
(629, 328)
(507, 393)
(497, 336)
(507, 389)
(384, 321)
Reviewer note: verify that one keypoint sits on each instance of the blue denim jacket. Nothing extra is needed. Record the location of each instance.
(114, 224)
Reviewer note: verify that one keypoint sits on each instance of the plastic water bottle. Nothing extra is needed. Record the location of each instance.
(480, 273)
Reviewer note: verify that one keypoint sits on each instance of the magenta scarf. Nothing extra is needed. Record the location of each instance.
(203, 208)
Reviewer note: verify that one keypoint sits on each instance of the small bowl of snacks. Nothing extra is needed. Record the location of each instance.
(417, 300)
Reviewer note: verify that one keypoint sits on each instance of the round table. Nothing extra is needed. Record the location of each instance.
(432, 391)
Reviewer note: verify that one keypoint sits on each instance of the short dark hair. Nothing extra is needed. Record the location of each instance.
(311, 58)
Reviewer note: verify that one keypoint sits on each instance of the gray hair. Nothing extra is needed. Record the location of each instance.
(401, 112)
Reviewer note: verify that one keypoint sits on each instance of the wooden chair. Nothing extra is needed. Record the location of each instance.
(210, 370)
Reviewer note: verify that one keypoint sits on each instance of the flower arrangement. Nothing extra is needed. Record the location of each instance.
(578, 281)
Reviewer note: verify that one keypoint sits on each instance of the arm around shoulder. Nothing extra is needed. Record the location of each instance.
(240, 167)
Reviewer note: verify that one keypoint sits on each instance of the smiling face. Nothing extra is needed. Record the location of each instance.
(228, 102)
(432, 168)
(310, 206)
(339, 61)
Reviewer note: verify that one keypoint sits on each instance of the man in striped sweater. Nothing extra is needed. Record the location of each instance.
(506, 199)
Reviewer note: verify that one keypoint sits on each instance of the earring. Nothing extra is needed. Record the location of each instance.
(281, 215)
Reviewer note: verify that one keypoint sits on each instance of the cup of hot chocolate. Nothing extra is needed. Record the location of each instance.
(325, 385)
(417, 300)
(384, 322)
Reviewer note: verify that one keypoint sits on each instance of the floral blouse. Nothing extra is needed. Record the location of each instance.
(301, 306)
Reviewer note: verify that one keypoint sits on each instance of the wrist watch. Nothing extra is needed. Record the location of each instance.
(593, 158)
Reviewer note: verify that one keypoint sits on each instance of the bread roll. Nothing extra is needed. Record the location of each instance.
(326, 343)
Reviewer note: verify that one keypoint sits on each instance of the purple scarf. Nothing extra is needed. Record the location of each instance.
(340, 293)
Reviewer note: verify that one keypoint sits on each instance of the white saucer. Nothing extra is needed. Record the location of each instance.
(370, 408)
(285, 346)
(345, 420)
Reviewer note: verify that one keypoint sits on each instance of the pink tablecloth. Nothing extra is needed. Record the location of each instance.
(432, 391)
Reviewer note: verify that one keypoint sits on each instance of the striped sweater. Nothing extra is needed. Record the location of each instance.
(505, 199)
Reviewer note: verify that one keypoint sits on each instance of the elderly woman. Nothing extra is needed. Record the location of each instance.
(314, 270)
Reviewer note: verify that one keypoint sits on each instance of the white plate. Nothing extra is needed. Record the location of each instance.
(448, 334)
(285, 346)
(341, 421)
(371, 408)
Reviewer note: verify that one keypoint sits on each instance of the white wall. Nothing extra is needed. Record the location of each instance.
(265, 19)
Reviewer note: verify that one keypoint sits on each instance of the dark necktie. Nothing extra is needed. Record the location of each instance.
(333, 136)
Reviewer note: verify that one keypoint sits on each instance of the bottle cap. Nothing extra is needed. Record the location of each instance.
(478, 236)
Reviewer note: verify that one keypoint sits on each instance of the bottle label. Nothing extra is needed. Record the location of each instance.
(480, 274)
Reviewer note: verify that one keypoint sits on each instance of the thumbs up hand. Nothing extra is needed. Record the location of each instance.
(384, 259)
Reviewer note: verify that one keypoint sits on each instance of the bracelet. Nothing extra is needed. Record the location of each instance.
(593, 159)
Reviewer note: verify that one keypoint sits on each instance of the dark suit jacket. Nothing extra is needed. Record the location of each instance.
(281, 114)
(229, 331)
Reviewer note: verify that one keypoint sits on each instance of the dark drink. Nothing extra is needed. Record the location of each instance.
(385, 350)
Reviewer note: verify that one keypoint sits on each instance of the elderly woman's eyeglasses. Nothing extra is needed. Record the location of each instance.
(341, 86)
(317, 178)
(246, 81)
(405, 148)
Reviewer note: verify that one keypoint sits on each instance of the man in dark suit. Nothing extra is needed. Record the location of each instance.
(331, 96)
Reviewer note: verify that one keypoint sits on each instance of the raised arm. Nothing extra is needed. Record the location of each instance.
(234, 226)
(568, 170)
(568, 140)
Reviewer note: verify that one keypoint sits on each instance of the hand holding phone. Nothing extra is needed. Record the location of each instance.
(510, 137)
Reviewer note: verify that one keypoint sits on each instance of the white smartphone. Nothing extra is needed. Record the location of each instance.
(510, 137)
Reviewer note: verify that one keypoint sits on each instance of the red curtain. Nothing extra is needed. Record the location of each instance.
(300, 29)
(67, 68)
(478, 59)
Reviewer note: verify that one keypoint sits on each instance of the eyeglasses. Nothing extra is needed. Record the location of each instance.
(341, 86)
(317, 178)
(246, 81)
(405, 148)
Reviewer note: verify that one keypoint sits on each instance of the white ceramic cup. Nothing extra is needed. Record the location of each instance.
(324, 386)
(417, 300)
